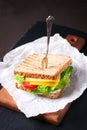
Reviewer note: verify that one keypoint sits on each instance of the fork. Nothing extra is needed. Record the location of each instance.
(49, 21)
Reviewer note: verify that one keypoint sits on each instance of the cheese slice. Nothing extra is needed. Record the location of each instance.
(43, 82)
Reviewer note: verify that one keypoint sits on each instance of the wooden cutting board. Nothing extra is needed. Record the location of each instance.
(55, 117)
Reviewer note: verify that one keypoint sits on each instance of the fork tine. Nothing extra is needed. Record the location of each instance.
(44, 62)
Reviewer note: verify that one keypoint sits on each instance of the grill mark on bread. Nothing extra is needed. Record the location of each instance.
(30, 66)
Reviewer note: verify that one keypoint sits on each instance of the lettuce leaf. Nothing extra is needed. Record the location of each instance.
(19, 79)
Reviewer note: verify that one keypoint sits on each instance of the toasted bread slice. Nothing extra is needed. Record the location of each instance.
(31, 66)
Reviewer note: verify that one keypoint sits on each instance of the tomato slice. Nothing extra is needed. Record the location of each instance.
(29, 86)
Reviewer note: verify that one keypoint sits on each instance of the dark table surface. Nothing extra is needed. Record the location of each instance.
(75, 119)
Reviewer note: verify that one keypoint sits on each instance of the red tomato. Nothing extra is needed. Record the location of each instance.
(30, 87)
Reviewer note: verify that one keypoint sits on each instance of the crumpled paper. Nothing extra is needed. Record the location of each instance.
(32, 105)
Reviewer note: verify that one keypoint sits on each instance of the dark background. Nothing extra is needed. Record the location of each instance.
(16, 16)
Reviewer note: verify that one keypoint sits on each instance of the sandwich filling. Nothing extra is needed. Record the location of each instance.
(44, 86)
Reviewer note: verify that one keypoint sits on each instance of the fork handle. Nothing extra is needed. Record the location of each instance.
(49, 21)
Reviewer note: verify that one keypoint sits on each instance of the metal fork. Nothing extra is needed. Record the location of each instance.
(49, 21)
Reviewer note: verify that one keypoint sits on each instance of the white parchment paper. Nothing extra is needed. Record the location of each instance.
(32, 105)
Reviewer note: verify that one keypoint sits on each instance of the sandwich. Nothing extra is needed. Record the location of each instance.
(49, 82)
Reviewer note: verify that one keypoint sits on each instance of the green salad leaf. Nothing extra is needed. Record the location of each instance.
(19, 78)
